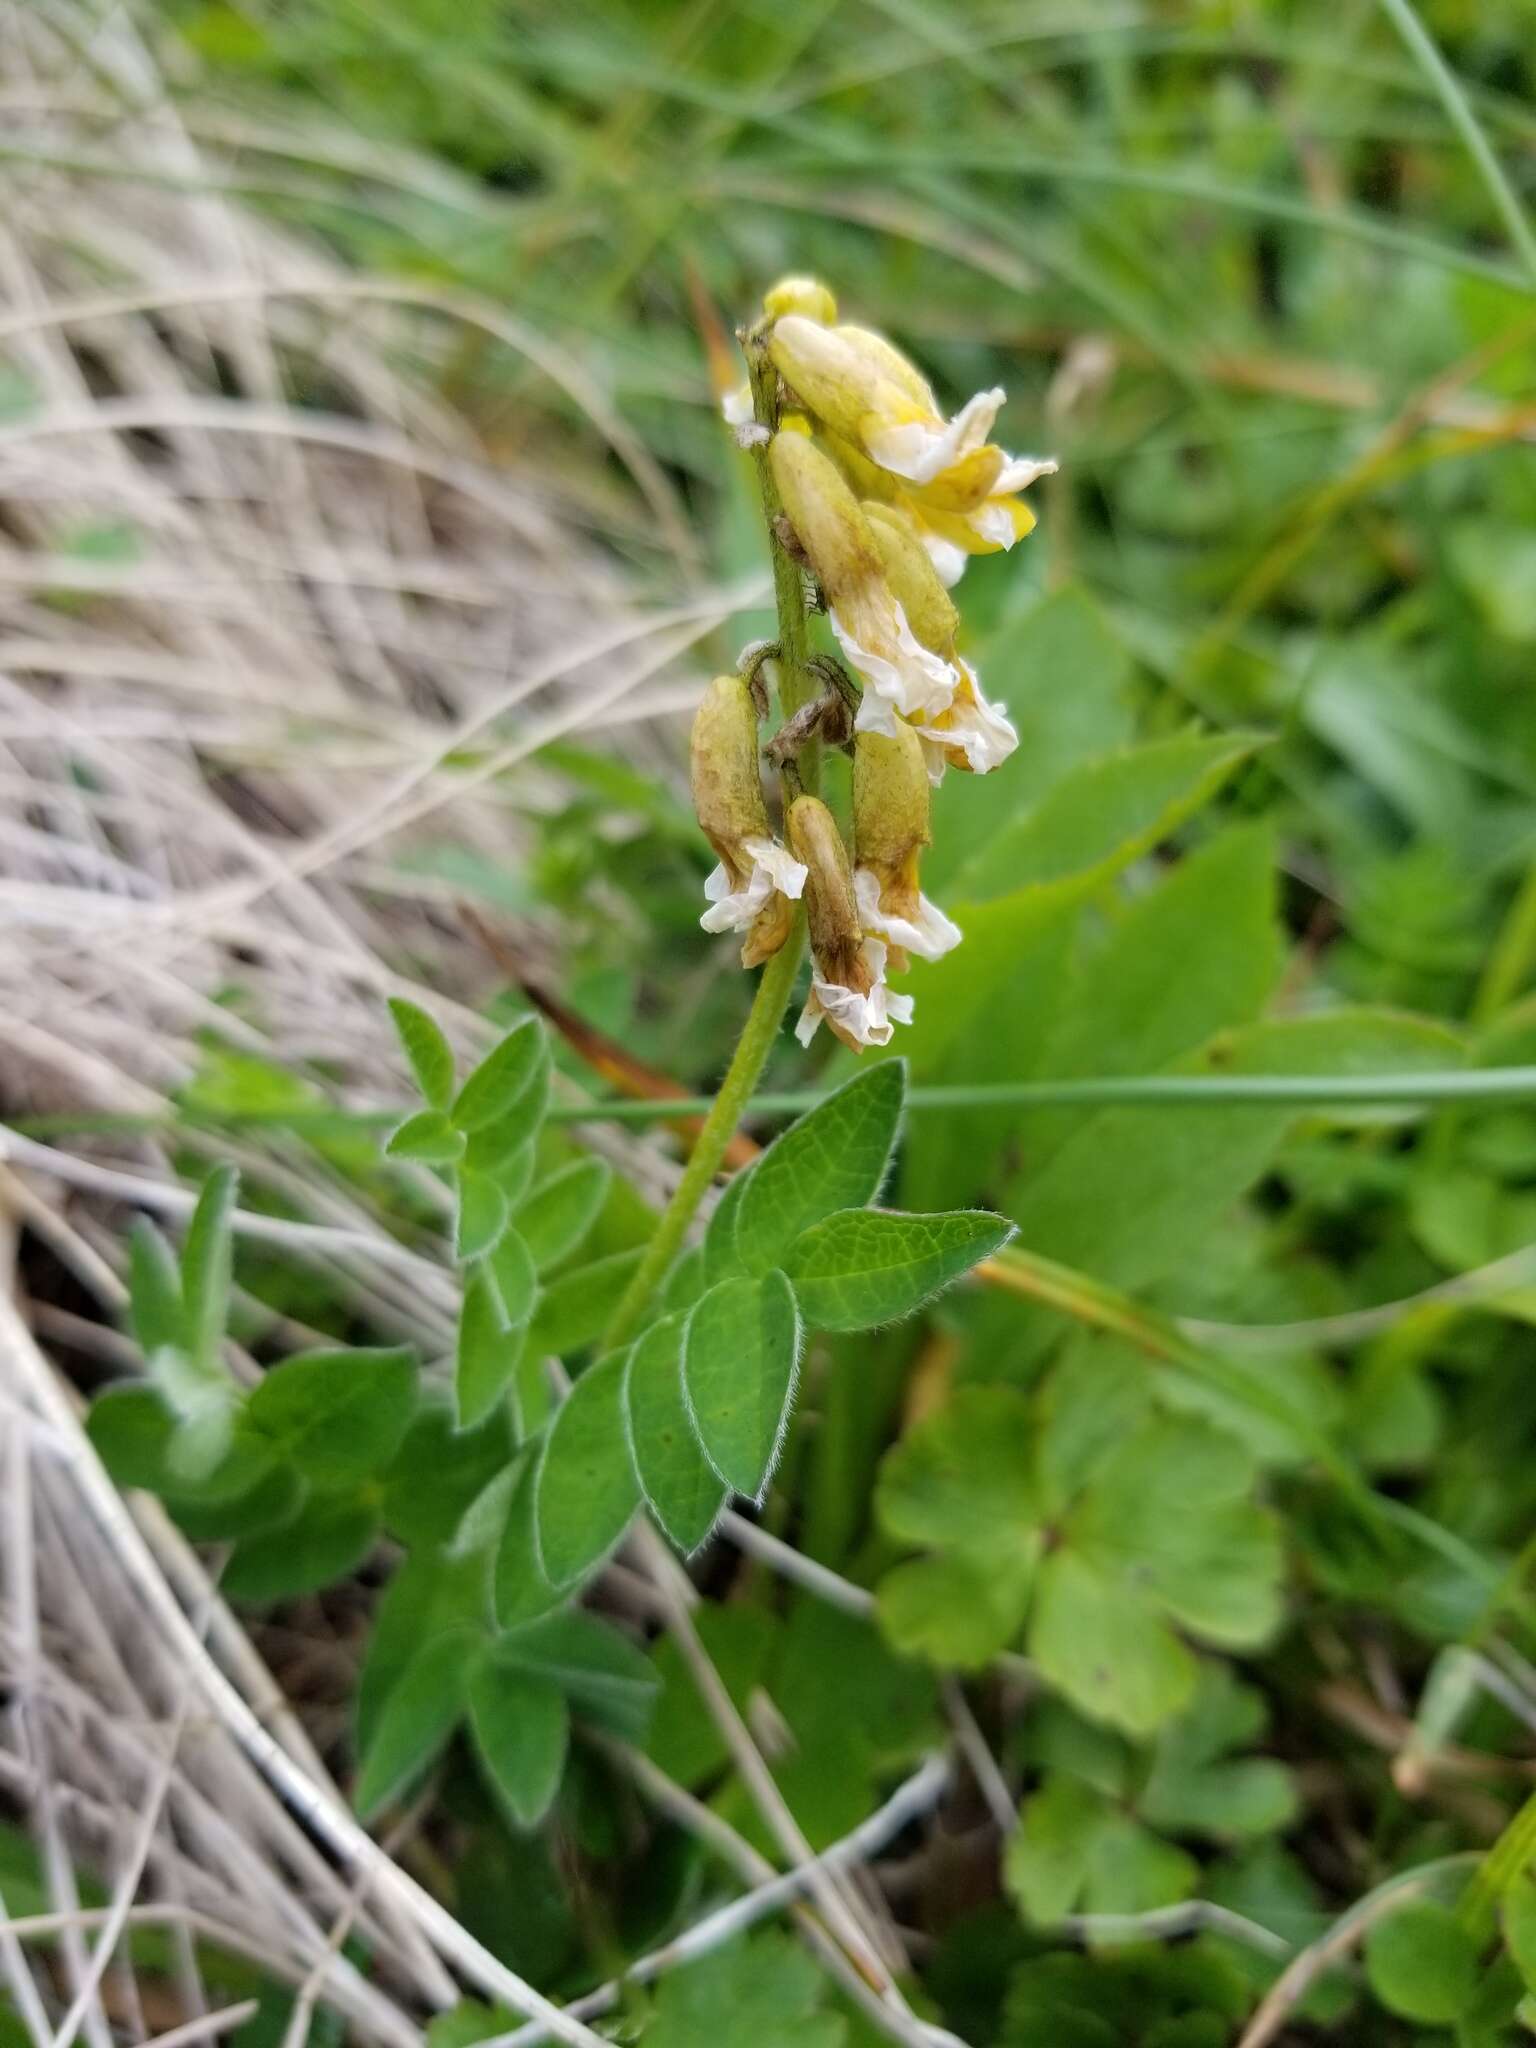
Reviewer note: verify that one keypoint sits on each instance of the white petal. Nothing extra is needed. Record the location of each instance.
(929, 936)
(736, 406)
(992, 521)
(920, 450)
(949, 559)
(982, 731)
(868, 1020)
(1020, 471)
(734, 910)
(786, 874)
(908, 675)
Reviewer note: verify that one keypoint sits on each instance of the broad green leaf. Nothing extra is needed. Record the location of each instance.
(521, 1728)
(338, 1415)
(154, 1292)
(686, 1281)
(427, 1136)
(205, 1267)
(433, 1593)
(867, 1266)
(576, 1308)
(428, 1051)
(586, 1489)
(763, 1992)
(327, 1540)
(834, 1158)
(680, 1487)
(1421, 1962)
(439, 1469)
(955, 1609)
(559, 1212)
(1102, 816)
(1517, 1912)
(1076, 1851)
(487, 1348)
(419, 1714)
(502, 1077)
(1106, 1646)
(741, 1351)
(270, 1502)
(607, 1680)
(482, 1215)
(965, 1476)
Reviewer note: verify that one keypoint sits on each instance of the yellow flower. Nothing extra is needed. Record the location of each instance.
(751, 890)
(882, 414)
(848, 990)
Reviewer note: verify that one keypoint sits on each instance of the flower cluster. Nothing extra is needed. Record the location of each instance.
(884, 500)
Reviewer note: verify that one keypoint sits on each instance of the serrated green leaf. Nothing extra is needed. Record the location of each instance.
(339, 1416)
(867, 1266)
(834, 1158)
(206, 1262)
(154, 1292)
(576, 1308)
(419, 1714)
(482, 1215)
(507, 1072)
(1421, 1962)
(429, 1053)
(1107, 1647)
(681, 1488)
(741, 1351)
(586, 1489)
(607, 1680)
(560, 1211)
(954, 1609)
(758, 1993)
(521, 1730)
(327, 1540)
(1075, 1850)
(486, 1351)
(1196, 1786)
(427, 1136)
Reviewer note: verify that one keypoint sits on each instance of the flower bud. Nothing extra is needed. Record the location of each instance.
(751, 890)
(805, 297)
(912, 577)
(900, 674)
(848, 981)
(891, 829)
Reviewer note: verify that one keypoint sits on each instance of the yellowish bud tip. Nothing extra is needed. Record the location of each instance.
(727, 785)
(836, 935)
(805, 296)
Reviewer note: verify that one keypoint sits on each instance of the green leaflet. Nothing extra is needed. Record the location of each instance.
(586, 1490)
(607, 1680)
(482, 1216)
(521, 1729)
(427, 1136)
(681, 1488)
(868, 1266)
(1421, 1962)
(741, 1351)
(339, 1416)
(835, 1157)
(498, 1084)
(154, 1292)
(329, 1538)
(418, 1716)
(206, 1261)
(487, 1350)
(575, 1309)
(428, 1051)
(557, 1214)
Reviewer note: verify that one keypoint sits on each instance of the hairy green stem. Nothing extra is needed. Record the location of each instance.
(752, 1048)
(776, 985)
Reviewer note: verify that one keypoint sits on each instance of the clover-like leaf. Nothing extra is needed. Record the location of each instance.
(1078, 1851)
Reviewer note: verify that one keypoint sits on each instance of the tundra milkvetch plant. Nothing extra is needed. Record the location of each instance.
(883, 500)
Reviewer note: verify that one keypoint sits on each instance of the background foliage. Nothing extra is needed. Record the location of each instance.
(1198, 1531)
